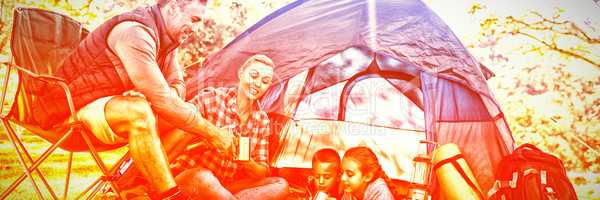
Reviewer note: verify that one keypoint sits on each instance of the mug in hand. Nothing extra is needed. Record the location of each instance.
(243, 149)
(321, 196)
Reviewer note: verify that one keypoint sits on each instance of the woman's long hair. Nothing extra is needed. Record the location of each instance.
(368, 163)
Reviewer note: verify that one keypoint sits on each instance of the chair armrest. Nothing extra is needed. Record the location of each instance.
(50, 80)
(5, 59)
(45, 78)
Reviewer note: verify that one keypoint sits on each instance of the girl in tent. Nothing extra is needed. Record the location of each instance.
(362, 176)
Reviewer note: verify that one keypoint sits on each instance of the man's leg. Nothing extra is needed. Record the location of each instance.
(200, 183)
(174, 142)
(265, 189)
(132, 117)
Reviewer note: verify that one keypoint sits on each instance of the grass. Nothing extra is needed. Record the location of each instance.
(84, 170)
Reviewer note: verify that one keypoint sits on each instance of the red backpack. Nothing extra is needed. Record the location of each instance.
(529, 173)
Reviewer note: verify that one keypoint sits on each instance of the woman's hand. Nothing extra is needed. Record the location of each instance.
(254, 168)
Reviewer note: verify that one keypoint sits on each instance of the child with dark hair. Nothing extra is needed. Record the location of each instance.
(325, 174)
(362, 176)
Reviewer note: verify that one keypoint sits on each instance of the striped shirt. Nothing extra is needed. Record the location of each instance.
(218, 105)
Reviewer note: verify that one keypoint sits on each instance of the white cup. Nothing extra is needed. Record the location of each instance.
(321, 196)
(244, 149)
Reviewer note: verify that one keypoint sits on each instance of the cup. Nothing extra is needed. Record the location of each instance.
(243, 149)
(321, 196)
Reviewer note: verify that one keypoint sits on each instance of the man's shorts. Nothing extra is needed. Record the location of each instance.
(92, 115)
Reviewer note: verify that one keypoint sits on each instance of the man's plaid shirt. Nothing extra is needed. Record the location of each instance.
(218, 105)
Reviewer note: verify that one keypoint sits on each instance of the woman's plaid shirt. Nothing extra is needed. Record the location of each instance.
(218, 105)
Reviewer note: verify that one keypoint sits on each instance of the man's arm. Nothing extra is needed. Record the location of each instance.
(133, 44)
(174, 77)
(174, 74)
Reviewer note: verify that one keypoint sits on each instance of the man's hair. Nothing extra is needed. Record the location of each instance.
(257, 58)
(327, 155)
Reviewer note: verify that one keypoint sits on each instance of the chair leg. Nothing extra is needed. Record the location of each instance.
(35, 164)
(68, 175)
(11, 132)
(22, 162)
(28, 156)
(97, 189)
(89, 188)
(100, 164)
(100, 182)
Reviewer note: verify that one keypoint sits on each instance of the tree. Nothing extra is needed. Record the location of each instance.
(226, 19)
(550, 86)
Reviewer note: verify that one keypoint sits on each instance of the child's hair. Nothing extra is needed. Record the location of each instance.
(369, 164)
(327, 155)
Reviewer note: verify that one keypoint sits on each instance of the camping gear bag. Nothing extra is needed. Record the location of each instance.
(529, 173)
(454, 175)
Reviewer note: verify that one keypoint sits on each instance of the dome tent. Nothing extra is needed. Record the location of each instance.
(430, 85)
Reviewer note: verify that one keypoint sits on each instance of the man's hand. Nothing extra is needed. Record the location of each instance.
(133, 93)
(225, 142)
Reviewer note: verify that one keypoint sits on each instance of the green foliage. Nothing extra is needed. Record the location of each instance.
(225, 20)
(54, 169)
(549, 87)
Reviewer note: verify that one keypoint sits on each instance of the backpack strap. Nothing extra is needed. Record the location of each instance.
(501, 184)
(454, 162)
(550, 193)
(543, 174)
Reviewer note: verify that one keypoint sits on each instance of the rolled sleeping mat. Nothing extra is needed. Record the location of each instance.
(454, 175)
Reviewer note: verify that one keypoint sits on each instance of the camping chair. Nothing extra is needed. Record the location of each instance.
(40, 41)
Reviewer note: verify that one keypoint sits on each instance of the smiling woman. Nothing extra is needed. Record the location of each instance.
(208, 173)
(256, 75)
